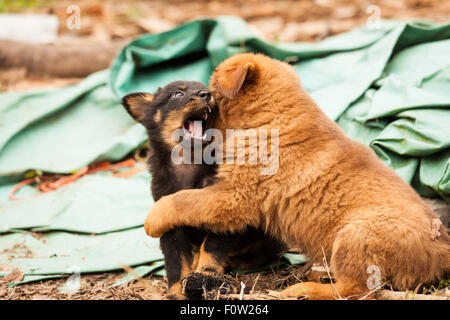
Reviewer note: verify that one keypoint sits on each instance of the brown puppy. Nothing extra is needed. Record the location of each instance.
(330, 195)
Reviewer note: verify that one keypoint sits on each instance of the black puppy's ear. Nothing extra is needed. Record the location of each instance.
(137, 103)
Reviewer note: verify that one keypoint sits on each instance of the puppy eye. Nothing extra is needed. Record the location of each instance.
(177, 94)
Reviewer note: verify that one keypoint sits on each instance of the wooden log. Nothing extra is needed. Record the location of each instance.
(60, 61)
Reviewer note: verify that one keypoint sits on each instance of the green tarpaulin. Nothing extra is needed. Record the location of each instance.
(388, 87)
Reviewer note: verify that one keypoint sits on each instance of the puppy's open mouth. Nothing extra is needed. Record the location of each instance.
(197, 122)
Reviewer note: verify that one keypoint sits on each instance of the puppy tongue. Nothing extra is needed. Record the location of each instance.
(195, 127)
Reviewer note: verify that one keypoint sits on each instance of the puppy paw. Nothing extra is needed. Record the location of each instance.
(175, 292)
(158, 221)
(206, 286)
(174, 297)
(297, 291)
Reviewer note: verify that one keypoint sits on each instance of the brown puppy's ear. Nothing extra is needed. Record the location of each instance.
(137, 103)
(231, 79)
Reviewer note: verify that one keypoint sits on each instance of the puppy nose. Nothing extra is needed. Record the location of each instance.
(204, 95)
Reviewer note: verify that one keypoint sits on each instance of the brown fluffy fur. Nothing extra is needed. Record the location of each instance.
(330, 192)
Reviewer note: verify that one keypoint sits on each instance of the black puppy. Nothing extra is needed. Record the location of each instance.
(187, 106)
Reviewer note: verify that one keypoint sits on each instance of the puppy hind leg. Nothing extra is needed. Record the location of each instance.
(401, 253)
(208, 276)
(210, 260)
(257, 250)
(353, 251)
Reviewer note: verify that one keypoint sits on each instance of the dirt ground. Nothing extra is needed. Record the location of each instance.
(98, 286)
(257, 286)
(112, 22)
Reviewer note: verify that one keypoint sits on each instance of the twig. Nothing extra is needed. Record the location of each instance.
(255, 296)
(305, 268)
(241, 295)
(254, 283)
(417, 288)
(371, 292)
(218, 291)
(205, 295)
(325, 264)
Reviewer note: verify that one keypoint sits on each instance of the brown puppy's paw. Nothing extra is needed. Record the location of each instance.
(156, 223)
(206, 285)
(299, 291)
(321, 291)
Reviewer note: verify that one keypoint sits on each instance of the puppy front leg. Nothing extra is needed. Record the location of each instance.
(211, 208)
(177, 246)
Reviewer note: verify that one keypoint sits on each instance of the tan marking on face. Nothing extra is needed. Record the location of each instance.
(175, 120)
(157, 117)
(197, 103)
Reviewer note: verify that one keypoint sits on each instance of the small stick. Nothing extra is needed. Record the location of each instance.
(241, 295)
(256, 296)
(254, 284)
(325, 264)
